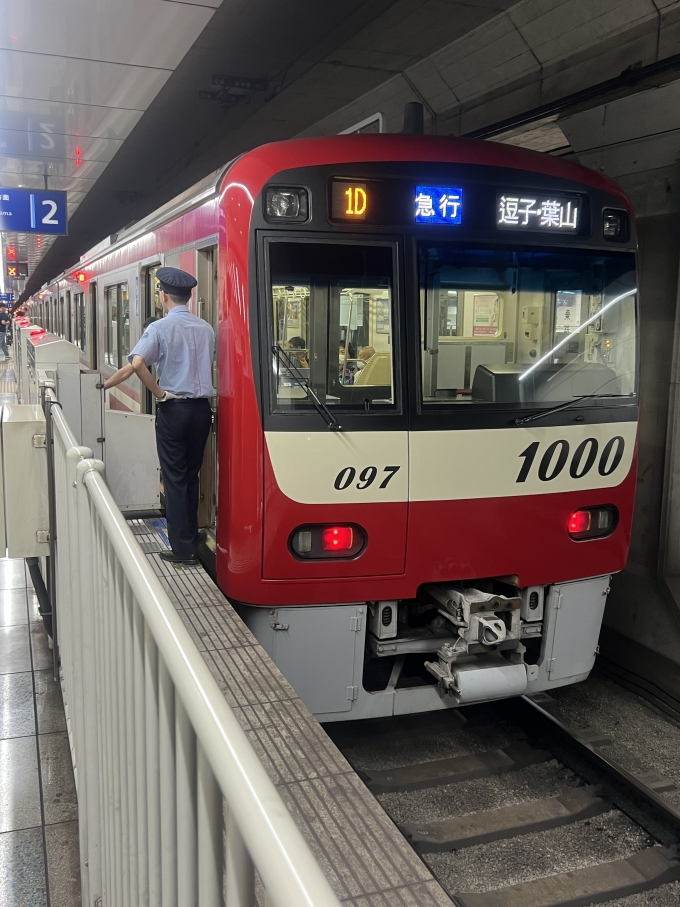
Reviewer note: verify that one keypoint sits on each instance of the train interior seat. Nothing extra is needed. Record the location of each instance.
(377, 371)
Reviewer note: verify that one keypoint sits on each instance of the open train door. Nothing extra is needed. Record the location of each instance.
(206, 308)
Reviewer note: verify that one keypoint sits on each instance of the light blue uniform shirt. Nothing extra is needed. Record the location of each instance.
(181, 346)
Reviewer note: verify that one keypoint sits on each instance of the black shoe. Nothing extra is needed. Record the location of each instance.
(202, 536)
(173, 558)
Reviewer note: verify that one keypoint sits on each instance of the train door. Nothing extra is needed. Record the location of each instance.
(206, 308)
(93, 333)
(330, 328)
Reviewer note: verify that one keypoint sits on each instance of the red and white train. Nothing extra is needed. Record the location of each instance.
(423, 470)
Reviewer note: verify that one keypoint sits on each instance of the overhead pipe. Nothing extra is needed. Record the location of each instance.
(414, 119)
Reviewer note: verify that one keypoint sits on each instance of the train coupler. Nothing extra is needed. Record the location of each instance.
(473, 678)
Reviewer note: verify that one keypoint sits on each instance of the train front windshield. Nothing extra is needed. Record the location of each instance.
(332, 318)
(498, 327)
(525, 327)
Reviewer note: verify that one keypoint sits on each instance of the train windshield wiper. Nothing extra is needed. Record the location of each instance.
(556, 409)
(287, 362)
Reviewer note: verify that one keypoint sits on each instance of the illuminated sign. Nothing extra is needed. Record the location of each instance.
(14, 270)
(547, 213)
(33, 211)
(349, 201)
(438, 205)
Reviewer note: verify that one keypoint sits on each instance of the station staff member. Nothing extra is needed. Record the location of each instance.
(181, 346)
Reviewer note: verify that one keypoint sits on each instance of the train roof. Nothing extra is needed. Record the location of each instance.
(345, 149)
(266, 160)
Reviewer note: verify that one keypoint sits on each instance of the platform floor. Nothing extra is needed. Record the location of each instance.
(364, 857)
(8, 380)
(39, 860)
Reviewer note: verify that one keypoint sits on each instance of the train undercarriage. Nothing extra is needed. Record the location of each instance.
(453, 645)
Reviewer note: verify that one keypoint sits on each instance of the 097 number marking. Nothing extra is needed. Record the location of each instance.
(556, 456)
(367, 477)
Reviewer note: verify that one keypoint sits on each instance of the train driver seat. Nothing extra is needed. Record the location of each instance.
(377, 371)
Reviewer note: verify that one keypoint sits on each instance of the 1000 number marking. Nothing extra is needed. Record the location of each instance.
(367, 477)
(556, 456)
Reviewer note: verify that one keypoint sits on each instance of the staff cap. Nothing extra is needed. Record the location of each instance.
(175, 281)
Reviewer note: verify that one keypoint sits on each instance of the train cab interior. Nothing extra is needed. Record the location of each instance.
(525, 327)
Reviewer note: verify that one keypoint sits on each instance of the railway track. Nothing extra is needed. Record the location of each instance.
(511, 808)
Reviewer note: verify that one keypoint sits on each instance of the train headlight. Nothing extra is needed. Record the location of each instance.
(346, 540)
(286, 205)
(615, 225)
(593, 522)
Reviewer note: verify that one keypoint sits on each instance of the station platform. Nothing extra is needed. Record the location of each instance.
(360, 850)
(39, 859)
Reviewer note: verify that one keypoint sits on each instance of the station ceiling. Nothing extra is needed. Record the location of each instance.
(125, 104)
(75, 79)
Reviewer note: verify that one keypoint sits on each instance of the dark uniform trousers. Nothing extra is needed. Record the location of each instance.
(182, 429)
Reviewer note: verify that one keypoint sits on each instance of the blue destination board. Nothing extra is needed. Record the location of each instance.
(438, 205)
(33, 211)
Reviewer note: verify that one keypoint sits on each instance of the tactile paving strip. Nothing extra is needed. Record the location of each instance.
(365, 858)
(8, 379)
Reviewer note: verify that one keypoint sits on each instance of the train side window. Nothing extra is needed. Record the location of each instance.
(124, 344)
(153, 306)
(79, 337)
(111, 346)
(76, 306)
(332, 316)
(94, 334)
(117, 346)
(68, 327)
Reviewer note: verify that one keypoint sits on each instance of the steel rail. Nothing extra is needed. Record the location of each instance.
(634, 798)
(289, 872)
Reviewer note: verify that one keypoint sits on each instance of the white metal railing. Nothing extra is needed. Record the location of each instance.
(175, 807)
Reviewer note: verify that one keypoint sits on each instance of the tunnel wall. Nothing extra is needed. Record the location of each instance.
(641, 605)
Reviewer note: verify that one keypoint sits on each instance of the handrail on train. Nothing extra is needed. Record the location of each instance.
(157, 749)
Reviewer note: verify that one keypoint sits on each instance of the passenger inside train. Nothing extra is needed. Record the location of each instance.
(335, 298)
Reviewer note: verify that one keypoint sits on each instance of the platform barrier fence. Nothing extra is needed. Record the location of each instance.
(175, 808)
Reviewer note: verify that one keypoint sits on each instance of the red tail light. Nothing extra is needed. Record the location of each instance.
(327, 542)
(580, 522)
(593, 522)
(337, 538)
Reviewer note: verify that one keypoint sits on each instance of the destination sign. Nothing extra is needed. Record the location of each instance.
(448, 202)
(552, 213)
